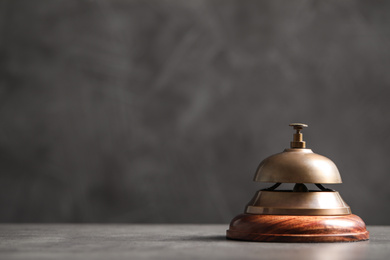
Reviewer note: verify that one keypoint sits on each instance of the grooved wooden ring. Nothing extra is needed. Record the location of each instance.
(288, 228)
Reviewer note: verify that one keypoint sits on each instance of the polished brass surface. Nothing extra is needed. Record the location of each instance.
(298, 137)
(298, 203)
(297, 166)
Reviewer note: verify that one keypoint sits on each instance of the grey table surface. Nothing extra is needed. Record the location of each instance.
(135, 241)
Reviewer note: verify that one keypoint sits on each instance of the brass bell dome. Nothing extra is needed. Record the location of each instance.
(297, 165)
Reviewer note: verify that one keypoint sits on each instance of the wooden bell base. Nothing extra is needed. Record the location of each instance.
(288, 228)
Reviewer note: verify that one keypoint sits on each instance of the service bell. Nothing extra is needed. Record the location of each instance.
(300, 214)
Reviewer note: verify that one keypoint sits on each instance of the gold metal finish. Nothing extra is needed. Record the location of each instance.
(298, 137)
(298, 203)
(297, 166)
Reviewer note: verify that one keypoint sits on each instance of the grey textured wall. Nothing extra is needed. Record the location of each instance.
(160, 111)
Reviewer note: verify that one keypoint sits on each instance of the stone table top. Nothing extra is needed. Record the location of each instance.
(160, 241)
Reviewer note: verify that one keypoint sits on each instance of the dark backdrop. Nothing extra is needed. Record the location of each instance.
(160, 111)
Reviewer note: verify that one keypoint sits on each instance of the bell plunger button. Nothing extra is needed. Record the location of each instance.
(298, 137)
